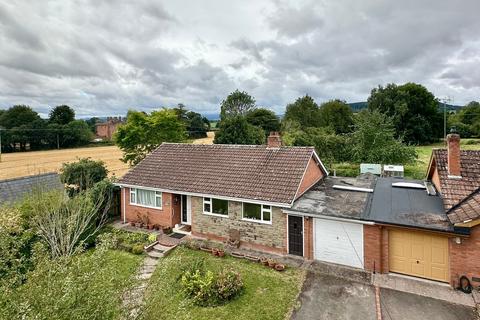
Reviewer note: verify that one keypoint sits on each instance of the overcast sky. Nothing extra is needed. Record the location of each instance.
(104, 57)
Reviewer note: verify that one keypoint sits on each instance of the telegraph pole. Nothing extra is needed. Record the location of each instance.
(445, 100)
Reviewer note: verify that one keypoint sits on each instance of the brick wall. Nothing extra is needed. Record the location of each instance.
(313, 174)
(253, 235)
(372, 251)
(465, 257)
(168, 216)
(308, 238)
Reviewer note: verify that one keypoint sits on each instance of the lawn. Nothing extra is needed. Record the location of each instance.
(414, 171)
(268, 294)
(89, 286)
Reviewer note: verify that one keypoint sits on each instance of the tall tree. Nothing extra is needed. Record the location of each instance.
(337, 115)
(265, 119)
(373, 140)
(62, 115)
(142, 133)
(17, 116)
(236, 130)
(83, 174)
(413, 109)
(305, 111)
(238, 103)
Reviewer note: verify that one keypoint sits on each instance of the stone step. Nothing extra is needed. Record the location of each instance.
(150, 261)
(160, 248)
(144, 276)
(148, 268)
(155, 254)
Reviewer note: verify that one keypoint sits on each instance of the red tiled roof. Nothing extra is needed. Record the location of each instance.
(468, 209)
(455, 190)
(237, 171)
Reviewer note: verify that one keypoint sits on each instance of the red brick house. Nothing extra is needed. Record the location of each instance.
(217, 188)
(107, 129)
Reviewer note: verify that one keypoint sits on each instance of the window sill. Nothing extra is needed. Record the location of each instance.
(215, 215)
(143, 206)
(257, 221)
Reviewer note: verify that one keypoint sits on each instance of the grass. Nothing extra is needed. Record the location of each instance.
(268, 294)
(413, 171)
(88, 286)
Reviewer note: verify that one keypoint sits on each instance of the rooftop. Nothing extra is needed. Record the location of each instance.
(237, 171)
(324, 200)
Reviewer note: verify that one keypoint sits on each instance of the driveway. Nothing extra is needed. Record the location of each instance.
(328, 297)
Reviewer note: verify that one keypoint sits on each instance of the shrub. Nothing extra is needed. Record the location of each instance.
(121, 240)
(205, 288)
(137, 249)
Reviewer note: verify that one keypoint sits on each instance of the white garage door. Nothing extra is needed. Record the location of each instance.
(339, 242)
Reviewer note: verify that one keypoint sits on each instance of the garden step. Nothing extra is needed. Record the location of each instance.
(160, 248)
(155, 254)
(150, 261)
(148, 268)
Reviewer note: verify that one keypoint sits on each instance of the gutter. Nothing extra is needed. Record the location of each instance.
(310, 215)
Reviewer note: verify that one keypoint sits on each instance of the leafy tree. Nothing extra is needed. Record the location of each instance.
(238, 103)
(17, 116)
(236, 130)
(83, 174)
(197, 127)
(142, 133)
(467, 120)
(265, 119)
(305, 111)
(62, 114)
(91, 123)
(373, 140)
(75, 133)
(336, 114)
(413, 109)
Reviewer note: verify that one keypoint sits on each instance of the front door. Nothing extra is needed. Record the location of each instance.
(186, 209)
(295, 235)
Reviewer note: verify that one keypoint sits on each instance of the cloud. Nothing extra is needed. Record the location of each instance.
(104, 57)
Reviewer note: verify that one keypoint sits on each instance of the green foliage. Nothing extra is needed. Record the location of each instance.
(238, 103)
(121, 240)
(373, 140)
(265, 119)
(61, 115)
(336, 115)
(84, 173)
(467, 121)
(137, 249)
(207, 289)
(87, 286)
(196, 125)
(17, 116)
(413, 109)
(236, 130)
(305, 111)
(142, 133)
(75, 133)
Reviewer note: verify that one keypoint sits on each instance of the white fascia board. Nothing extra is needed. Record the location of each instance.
(204, 195)
(305, 214)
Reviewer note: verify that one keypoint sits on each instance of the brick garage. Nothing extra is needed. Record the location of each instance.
(464, 258)
(257, 236)
(168, 216)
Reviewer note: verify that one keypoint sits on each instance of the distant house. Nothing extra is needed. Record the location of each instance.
(13, 190)
(105, 130)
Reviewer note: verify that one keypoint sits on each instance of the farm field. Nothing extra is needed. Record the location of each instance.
(20, 164)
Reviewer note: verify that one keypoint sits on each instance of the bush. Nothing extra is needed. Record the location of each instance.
(137, 249)
(205, 288)
(121, 240)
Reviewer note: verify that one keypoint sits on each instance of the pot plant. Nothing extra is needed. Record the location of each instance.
(264, 261)
(215, 251)
(280, 267)
(272, 263)
(132, 223)
(221, 253)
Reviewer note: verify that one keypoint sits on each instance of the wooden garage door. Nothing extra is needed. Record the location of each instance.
(418, 254)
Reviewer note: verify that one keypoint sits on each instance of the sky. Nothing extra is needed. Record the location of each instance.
(104, 57)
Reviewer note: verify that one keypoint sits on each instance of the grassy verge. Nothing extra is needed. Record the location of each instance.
(268, 294)
(88, 286)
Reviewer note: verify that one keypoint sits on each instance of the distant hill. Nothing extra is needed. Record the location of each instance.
(358, 106)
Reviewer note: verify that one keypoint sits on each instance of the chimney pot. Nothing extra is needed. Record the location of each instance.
(274, 140)
(453, 149)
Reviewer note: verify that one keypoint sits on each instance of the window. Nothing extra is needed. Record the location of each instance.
(215, 206)
(146, 198)
(257, 212)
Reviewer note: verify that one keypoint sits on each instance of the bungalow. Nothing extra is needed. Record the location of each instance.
(214, 189)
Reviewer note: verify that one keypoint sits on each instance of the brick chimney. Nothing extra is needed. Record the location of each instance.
(453, 145)
(274, 140)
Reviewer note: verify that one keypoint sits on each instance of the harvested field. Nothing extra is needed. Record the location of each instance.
(20, 164)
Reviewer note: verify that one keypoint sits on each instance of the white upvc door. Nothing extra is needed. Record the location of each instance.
(186, 209)
(338, 242)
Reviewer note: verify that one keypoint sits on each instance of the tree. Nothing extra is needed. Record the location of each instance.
(413, 109)
(236, 104)
(142, 133)
(305, 111)
(75, 133)
(265, 119)
(373, 140)
(197, 127)
(83, 174)
(17, 116)
(337, 115)
(91, 123)
(467, 120)
(236, 130)
(62, 115)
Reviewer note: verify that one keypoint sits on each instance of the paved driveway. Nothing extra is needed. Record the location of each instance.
(329, 298)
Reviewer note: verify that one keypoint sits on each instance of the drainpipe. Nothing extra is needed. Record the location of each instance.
(124, 200)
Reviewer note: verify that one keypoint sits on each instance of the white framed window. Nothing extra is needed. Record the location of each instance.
(257, 212)
(215, 207)
(146, 198)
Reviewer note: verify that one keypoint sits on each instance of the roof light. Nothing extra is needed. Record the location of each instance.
(348, 188)
(409, 185)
